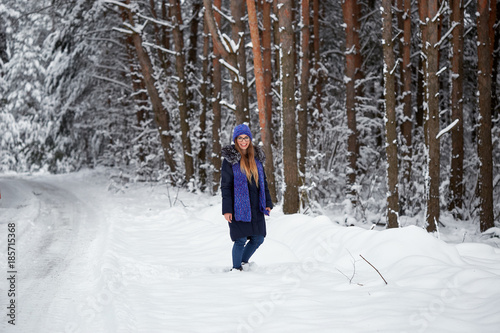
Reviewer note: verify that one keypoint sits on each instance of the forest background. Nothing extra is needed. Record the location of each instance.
(379, 108)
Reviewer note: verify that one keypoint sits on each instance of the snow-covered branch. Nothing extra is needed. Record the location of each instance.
(453, 26)
(227, 105)
(124, 31)
(119, 4)
(137, 29)
(447, 129)
(159, 48)
(160, 22)
(229, 18)
(112, 81)
(231, 68)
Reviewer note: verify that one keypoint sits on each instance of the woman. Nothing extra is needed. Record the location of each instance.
(245, 195)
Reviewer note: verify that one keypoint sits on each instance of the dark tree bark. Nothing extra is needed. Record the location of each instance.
(165, 34)
(230, 57)
(495, 43)
(161, 116)
(457, 133)
(484, 147)
(422, 72)
(287, 75)
(238, 32)
(407, 123)
(390, 115)
(349, 9)
(205, 96)
(3, 43)
(318, 86)
(304, 91)
(139, 88)
(276, 36)
(157, 33)
(181, 89)
(216, 107)
(432, 118)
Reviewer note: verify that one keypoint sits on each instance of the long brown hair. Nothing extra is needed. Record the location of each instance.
(247, 163)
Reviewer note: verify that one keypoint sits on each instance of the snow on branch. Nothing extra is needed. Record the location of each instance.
(395, 66)
(229, 18)
(119, 4)
(137, 29)
(125, 31)
(159, 48)
(444, 7)
(160, 22)
(441, 71)
(453, 26)
(231, 47)
(227, 105)
(112, 81)
(231, 68)
(447, 129)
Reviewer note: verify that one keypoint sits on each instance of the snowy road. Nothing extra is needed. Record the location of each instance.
(146, 258)
(53, 236)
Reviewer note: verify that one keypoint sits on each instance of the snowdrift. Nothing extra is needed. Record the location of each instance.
(153, 259)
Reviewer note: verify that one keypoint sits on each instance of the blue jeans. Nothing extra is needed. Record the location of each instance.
(242, 252)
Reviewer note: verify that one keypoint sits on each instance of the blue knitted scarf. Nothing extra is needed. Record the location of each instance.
(242, 210)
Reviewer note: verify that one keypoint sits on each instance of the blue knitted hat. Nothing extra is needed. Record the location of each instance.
(241, 129)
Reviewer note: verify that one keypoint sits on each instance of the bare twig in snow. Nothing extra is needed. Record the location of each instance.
(373, 268)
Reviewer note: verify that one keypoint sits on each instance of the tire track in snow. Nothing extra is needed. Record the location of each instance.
(54, 231)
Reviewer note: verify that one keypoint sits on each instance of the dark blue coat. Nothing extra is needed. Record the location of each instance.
(238, 229)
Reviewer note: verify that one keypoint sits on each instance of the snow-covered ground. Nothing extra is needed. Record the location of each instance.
(144, 258)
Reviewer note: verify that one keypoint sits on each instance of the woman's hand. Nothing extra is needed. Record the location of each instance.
(268, 210)
(228, 217)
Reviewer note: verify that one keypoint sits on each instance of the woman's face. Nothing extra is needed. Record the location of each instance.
(243, 141)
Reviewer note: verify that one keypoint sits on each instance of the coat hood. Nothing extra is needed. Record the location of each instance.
(230, 153)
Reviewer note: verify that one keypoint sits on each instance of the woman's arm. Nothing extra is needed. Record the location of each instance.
(227, 189)
(269, 202)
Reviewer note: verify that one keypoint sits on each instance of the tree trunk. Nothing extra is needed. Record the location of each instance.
(191, 77)
(260, 83)
(165, 35)
(217, 92)
(161, 115)
(230, 57)
(495, 41)
(390, 115)
(432, 118)
(157, 32)
(407, 123)
(139, 88)
(287, 78)
(217, 95)
(182, 90)
(484, 147)
(304, 92)
(421, 88)
(267, 63)
(238, 32)
(204, 91)
(457, 133)
(349, 9)
(318, 87)
(276, 36)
